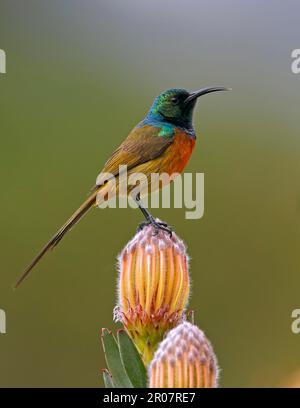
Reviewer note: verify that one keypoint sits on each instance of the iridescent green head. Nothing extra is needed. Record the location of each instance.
(176, 106)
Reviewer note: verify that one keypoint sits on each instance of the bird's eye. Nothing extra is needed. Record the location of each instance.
(174, 100)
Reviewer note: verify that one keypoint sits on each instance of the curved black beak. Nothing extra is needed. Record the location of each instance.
(203, 91)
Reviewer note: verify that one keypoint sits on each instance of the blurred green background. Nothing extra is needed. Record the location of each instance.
(80, 75)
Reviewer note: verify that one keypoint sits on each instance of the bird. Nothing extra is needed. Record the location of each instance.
(161, 143)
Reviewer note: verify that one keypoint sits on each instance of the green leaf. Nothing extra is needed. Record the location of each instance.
(113, 360)
(132, 361)
(107, 378)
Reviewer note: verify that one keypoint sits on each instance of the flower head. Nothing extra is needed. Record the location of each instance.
(185, 359)
(153, 287)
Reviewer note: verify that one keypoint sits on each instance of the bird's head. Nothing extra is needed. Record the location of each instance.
(177, 105)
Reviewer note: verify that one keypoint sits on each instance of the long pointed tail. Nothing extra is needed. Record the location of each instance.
(82, 210)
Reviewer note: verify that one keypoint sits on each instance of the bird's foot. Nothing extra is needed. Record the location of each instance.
(142, 225)
(158, 225)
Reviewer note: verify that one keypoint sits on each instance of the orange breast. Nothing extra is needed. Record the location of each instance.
(176, 156)
(173, 160)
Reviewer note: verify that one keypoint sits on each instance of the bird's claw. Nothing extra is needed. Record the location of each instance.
(142, 225)
(158, 225)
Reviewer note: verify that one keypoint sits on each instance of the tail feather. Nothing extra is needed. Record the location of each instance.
(82, 210)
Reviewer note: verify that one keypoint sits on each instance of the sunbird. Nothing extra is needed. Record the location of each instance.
(161, 143)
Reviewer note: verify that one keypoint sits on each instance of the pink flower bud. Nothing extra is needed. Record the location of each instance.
(153, 287)
(184, 359)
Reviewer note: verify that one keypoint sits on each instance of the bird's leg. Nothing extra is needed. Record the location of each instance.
(158, 225)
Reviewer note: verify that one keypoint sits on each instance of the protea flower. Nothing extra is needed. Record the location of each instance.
(184, 359)
(153, 287)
